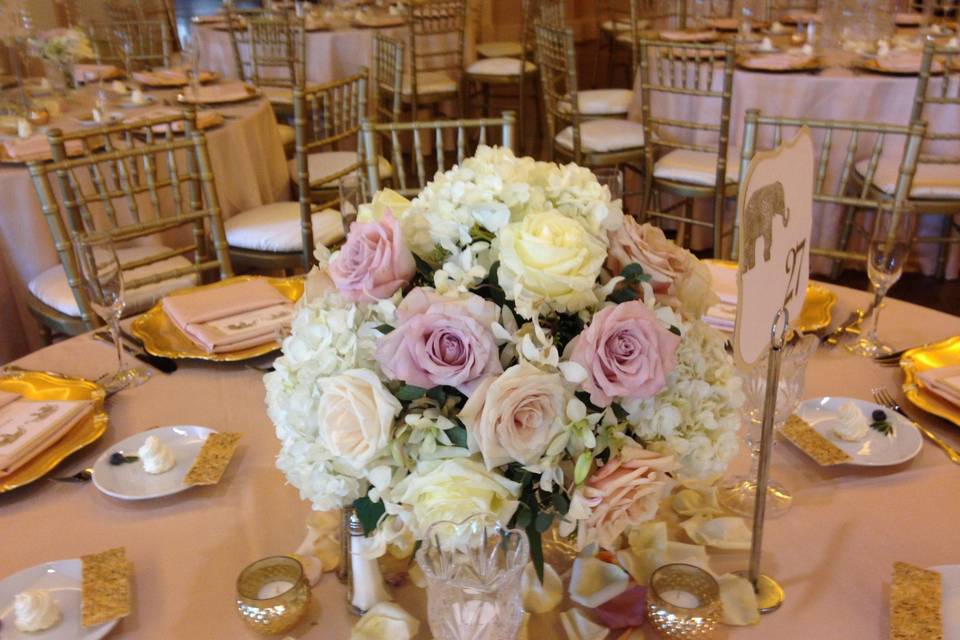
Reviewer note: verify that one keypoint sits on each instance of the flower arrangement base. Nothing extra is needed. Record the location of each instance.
(769, 592)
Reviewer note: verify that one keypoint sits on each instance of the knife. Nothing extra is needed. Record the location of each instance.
(165, 365)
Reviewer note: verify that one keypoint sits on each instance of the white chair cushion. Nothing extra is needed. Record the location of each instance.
(327, 163)
(287, 134)
(276, 227)
(930, 181)
(696, 167)
(52, 289)
(499, 67)
(602, 102)
(620, 25)
(501, 49)
(429, 83)
(601, 136)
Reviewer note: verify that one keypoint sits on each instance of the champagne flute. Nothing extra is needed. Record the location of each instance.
(103, 280)
(889, 248)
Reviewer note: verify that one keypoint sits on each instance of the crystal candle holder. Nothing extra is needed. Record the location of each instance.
(683, 602)
(272, 594)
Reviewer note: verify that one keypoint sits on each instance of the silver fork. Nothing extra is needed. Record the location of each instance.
(884, 397)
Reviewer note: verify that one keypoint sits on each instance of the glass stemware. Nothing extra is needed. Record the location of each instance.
(612, 178)
(103, 280)
(739, 493)
(886, 257)
(352, 195)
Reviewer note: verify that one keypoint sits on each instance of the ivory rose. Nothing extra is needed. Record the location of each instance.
(626, 351)
(513, 417)
(678, 278)
(548, 259)
(374, 261)
(624, 492)
(355, 416)
(441, 340)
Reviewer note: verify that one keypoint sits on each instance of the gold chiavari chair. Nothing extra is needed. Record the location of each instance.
(387, 82)
(435, 64)
(489, 72)
(282, 235)
(936, 186)
(944, 8)
(776, 9)
(425, 134)
(149, 184)
(551, 13)
(839, 149)
(686, 158)
(574, 135)
(622, 23)
(132, 45)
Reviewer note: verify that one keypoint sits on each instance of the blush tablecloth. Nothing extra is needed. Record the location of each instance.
(837, 93)
(249, 168)
(833, 552)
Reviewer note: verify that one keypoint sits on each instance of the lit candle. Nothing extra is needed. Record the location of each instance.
(680, 598)
(274, 589)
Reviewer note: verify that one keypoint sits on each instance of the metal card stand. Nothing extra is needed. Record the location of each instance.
(769, 592)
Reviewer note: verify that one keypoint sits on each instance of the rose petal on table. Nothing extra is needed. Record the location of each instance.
(577, 626)
(722, 533)
(540, 597)
(739, 600)
(629, 609)
(695, 502)
(385, 620)
(593, 581)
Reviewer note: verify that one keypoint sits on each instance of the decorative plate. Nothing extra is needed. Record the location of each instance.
(220, 94)
(940, 354)
(162, 337)
(38, 385)
(872, 66)
(761, 64)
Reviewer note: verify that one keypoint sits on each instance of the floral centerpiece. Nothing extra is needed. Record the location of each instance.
(60, 49)
(506, 343)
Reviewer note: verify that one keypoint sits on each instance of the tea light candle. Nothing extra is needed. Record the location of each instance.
(272, 594)
(273, 589)
(680, 598)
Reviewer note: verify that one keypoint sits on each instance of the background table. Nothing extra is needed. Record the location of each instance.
(833, 552)
(248, 163)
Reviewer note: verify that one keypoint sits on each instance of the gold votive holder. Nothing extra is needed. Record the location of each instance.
(683, 602)
(272, 594)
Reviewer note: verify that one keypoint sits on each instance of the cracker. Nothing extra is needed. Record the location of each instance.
(915, 602)
(106, 587)
(213, 459)
(808, 440)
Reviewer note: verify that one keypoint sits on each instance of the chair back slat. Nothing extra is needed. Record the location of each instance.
(555, 55)
(942, 139)
(388, 54)
(132, 44)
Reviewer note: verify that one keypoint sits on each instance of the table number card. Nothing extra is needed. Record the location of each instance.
(774, 209)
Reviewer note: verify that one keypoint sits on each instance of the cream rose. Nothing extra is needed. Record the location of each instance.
(514, 416)
(384, 201)
(549, 259)
(355, 416)
(452, 490)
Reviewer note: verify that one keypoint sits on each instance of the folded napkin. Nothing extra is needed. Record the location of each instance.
(91, 72)
(27, 427)
(36, 147)
(689, 36)
(205, 119)
(723, 315)
(777, 61)
(230, 318)
(944, 382)
(6, 398)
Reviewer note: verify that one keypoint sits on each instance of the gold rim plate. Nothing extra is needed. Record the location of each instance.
(933, 356)
(874, 67)
(161, 337)
(38, 385)
(814, 64)
(817, 312)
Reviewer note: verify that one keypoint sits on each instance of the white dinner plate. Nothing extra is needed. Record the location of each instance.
(876, 449)
(129, 481)
(63, 579)
(950, 599)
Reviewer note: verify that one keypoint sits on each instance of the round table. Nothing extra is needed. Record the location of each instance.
(833, 552)
(248, 163)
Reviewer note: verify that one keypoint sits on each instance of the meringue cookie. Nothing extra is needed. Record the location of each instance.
(385, 620)
(722, 533)
(739, 601)
(593, 581)
(766, 45)
(540, 597)
(579, 627)
(155, 456)
(853, 425)
(35, 610)
(777, 27)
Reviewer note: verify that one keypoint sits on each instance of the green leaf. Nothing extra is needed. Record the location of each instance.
(561, 503)
(623, 294)
(675, 329)
(543, 521)
(423, 268)
(458, 436)
(438, 394)
(523, 517)
(619, 411)
(536, 550)
(384, 328)
(409, 392)
(582, 468)
(632, 271)
(369, 513)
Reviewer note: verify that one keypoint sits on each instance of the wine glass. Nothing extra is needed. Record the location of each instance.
(739, 494)
(190, 58)
(352, 195)
(889, 248)
(612, 178)
(103, 280)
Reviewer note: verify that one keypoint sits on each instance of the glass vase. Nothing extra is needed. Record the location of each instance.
(473, 570)
(60, 74)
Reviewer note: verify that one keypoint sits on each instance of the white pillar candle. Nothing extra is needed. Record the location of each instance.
(680, 598)
(274, 589)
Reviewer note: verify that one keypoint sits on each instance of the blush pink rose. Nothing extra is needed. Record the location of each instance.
(678, 278)
(626, 352)
(441, 340)
(624, 492)
(374, 261)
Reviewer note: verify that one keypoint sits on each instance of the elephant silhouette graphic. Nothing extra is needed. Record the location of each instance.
(765, 203)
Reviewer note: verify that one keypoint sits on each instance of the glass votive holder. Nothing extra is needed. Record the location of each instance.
(683, 602)
(272, 594)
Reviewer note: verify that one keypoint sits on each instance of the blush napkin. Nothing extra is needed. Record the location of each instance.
(28, 427)
(944, 382)
(723, 315)
(230, 318)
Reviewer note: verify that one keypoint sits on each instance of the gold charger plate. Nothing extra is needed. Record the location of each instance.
(932, 356)
(162, 337)
(817, 311)
(873, 66)
(813, 64)
(38, 385)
